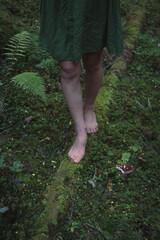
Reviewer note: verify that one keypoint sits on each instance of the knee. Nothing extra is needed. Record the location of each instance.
(92, 62)
(69, 69)
(92, 67)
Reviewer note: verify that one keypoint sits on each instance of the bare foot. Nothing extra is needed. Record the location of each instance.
(90, 121)
(77, 150)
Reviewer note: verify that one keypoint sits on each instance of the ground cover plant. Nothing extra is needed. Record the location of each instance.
(33, 137)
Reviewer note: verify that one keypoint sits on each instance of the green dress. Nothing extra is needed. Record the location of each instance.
(70, 28)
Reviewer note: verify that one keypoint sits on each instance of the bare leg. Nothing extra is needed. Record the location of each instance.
(70, 80)
(93, 65)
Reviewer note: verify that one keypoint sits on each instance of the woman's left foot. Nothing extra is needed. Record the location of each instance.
(90, 121)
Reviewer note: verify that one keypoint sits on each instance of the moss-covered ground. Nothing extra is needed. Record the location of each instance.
(103, 205)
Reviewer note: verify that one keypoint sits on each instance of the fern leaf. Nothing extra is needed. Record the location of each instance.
(20, 55)
(6, 49)
(12, 59)
(17, 46)
(11, 46)
(20, 50)
(44, 63)
(1, 102)
(9, 54)
(31, 81)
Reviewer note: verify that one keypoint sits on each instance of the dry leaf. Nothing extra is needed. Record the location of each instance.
(47, 138)
(59, 153)
(109, 185)
(144, 160)
(111, 208)
(28, 119)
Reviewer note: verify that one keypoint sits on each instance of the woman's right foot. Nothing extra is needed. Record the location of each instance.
(77, 150)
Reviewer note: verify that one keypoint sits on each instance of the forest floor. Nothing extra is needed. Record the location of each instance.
(103, 204)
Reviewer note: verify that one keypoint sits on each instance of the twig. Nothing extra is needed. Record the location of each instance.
(6, 130)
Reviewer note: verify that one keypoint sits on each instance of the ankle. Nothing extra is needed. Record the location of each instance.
(89, 108)
(80, 129)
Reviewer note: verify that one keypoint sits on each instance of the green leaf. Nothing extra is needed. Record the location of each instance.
(125, 156)
(17, 164)
(4, 209)
(92, 183)
(110, 153)
(26, 178)
(135, 148)
(33, 82)
(120, 162)
(72, 229)
(107, 235)
(2, 159)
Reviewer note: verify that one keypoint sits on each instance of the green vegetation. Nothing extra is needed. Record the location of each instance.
(35, 133)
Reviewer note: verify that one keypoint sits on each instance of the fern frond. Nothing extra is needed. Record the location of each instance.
(32, 82)
(1, 99)
(45, 63)
(17, 46)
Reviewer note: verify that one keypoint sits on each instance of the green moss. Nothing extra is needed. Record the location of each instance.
(105, 95)
(41, 236)
(134, 26)
(120, 65)
(67, 168)
(113, 80)
(56, 196)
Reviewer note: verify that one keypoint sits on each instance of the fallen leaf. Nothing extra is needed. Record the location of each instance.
(125, 169)
(111, 208)
(109, 185)
(28, 119)
(144, 160)
(47, 138)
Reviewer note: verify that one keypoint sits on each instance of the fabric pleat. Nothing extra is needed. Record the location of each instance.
(70, 28)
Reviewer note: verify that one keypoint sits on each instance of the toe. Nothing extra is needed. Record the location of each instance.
(70, 156)
(74, 158)
(70, 159)
(93, 130)
(77, 160)
(90, 130)
(69, 153)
